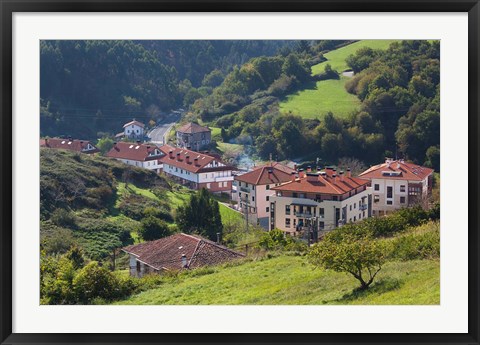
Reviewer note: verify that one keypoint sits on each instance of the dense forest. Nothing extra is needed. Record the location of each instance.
(95, 86)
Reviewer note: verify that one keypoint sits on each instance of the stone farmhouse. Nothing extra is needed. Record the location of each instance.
(193, 136)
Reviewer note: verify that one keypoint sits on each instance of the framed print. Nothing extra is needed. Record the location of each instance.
(254, 172)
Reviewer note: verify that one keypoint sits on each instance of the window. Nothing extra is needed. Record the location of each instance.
(208, 185)
(267, 198)
(376, 198)
(253, 186)
(267, 187)
(354, 218)
(376, 186)
(287, 209)
(402, 188)
(335, 198)
(402, 199)
(287, 222)
(321, 225)
(389, 192)
(239, 194)
(321, 212)
(355, 205)
(253, 198)
(267, 209)
(350, 207)
(389, 202)
(220, 184)
(138, 266)
(294, 195)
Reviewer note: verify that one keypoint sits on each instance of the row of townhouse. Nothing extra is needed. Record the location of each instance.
(300, 203)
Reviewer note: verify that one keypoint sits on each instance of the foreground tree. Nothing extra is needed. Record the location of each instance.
(201, 215)
(360, 256)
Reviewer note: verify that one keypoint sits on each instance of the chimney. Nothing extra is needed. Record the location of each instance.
(295, 167)
(269, 173)
(293, 176)
(309, 169)
(398, 165)
(349, 172)
(187, 159)
(311, 177)
(195, 161)
(334, 178)
(138, 142)
(341, 175)
(46, 141)
(388, 161)
(301, 173)
(148, 146)
(329, 171)
(184, 261)
(170, 154)
(178, 156)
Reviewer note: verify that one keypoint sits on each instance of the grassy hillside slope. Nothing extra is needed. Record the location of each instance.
(329, 95)
(292, 280)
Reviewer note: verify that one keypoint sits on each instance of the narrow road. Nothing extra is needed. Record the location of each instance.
(158, 134)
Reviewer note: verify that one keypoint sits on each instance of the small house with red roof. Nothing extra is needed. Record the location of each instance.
(132, 130)
(140, 155)
(81, 146)
(197, 170)
(253, 190)
(397, 184)
(193, 136)
(177, 252)
(312, 203)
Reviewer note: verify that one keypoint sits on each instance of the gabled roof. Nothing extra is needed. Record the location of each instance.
(177, 157)
(192, 127)
(261, 175)
(397, 170)
(166, 253)
(135, 151)
(134, 122)
(323, 184)
(69, 144)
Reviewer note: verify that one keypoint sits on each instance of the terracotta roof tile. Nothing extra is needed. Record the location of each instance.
(192, 127)
(177, 157)
(166, 253)
(134, 122)
(135, 151)
(261, 175)
(323, 184)
(398, 170)
(68, 144)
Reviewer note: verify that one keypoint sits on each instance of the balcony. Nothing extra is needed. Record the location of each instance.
(363, 207)
(245, 190)
(303, 215)
(224, 179)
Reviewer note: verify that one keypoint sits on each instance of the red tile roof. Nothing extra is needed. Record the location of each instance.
(398, 170)
(192, 127)
(166, 253)
(68, 144)
(261, 175)
(323, 184)
(134, 122)
(135, 151)
(177, 157)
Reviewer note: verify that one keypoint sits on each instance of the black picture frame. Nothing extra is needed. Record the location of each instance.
(8, 7)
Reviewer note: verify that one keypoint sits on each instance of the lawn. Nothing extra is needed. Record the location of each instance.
(322, 97)
(229, 215)
(329, 95)
(336, 58)
(216, 134)
(292, 280)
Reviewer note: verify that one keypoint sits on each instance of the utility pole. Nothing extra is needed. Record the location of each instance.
(247, 203)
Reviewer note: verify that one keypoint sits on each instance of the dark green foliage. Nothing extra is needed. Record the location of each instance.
(153, 228)
(422, 244)
(200, 215)
(65, 218)
(328, 73)
(277, 240)
(133, 206)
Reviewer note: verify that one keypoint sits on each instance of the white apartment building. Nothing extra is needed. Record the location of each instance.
(314, 203)
(397, 184)
(197, 170)
(140, 155)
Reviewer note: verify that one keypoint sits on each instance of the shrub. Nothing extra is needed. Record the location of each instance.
(153, 228)
(62, 217)
(94, 281)
(422, 243)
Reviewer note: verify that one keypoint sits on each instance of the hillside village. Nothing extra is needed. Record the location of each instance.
(170, 203)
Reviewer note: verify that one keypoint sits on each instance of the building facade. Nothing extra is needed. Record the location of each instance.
(397, 184)
(197, 170)
(145, 156)
(193, 136)
(314, 203)
(253, 191)
(133, 130)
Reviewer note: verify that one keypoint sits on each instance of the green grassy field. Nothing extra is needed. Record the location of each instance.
(216, 133)
(229, 215)
(336, 58)
(329, 95)
(292, 280)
